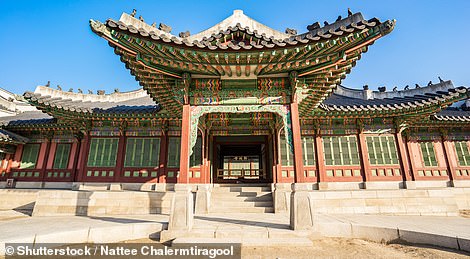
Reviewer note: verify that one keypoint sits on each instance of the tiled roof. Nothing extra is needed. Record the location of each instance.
(343, 103)
(454, 114)
(11, 138)
(264, 42)
(78, 103)
(27, 118)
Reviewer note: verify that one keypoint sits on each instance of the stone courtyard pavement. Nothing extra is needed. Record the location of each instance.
(251, 229)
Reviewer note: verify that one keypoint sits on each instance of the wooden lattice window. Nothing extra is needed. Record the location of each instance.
(173, 152)
(103, 152)
(286, 156)
(463, 153)
(308, 150)
(428, 154)
(382, 150)
(196, 157)
(61, 157)
(142, 152)
(29, 158)
(341, 150)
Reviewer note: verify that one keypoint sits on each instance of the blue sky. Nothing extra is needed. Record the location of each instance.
(51, 40)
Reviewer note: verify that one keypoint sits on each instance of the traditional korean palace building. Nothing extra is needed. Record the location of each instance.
(240, 103)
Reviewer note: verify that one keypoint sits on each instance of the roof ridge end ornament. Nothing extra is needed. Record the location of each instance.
(97, 26)
(387, 26)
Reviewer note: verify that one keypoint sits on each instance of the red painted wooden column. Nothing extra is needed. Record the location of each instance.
(43, 158)
(51, 156)
(364, 155)
(299, 176)
(210, 142)
(205, 159)
(185, 140)
(83, 158)
(17, 157)
(277, 135)
(118, 169)
(404, 156)
(411, 175)
(163, 157)
(450, 161)
(75, 155)
(321, 172)
(275, 161)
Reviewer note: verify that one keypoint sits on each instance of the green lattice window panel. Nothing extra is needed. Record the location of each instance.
(29, 157)
(142, 152)
(463, 153)
(308, 150)
(61, 158)
(382, 150)
(173, 152)
(287, 159)
(340, 150)
(196, 157)
(428, 154)
(103, 152)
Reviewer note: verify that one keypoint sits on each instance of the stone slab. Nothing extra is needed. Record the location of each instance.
(248, 242)
(388, 185)
(429, 239)
(58, 185)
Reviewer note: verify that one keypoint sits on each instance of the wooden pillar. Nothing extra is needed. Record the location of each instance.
(81, 166)
(17, 157)
(364, 155)
(42, 158)
(404, 155)
(277, 136)
(4, 163)
(210, 137)
(321, 171)
(205, 158)
(410, 175)
(51, 156)
(185, 140)
(121, 153)
(299, 176)
(274, 147)
(163, 157)
(74, 146)
(446, 145)
(76, 156)
(43, 150)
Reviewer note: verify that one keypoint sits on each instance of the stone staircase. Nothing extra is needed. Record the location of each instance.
(241, 198)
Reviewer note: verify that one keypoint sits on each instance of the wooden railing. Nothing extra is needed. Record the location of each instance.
(241, 173)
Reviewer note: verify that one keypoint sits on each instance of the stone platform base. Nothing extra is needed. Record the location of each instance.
(99, 203)
(15, 199)
(447, 201)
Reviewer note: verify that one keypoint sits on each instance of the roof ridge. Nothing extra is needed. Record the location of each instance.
(113, 97)
(238, 17)
(367, 94)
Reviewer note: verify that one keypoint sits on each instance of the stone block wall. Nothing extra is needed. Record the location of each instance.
(17, 199)
(437, 201)
(393, 202)
(101, 203)
(462, 198)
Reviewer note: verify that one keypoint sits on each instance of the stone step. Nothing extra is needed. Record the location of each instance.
(248, 241)
(224, 209)
(266, 197)
(230, 203)
(242, 185)
(240, 194)
(243, 189)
